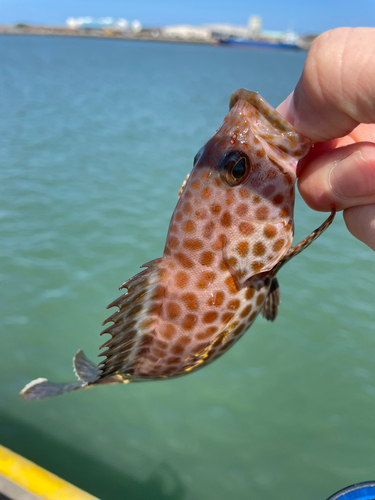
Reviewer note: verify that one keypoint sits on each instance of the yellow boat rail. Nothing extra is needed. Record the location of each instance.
(22, 479)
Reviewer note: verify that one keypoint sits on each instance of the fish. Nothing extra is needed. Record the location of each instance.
(229, 235)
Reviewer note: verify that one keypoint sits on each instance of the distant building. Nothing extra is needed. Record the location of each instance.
(254, 27)
(227, 30)
(103, 23)
(186, 32)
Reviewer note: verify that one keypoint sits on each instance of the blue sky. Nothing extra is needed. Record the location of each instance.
(304, 16)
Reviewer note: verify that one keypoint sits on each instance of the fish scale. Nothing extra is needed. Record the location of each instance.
(230, 233)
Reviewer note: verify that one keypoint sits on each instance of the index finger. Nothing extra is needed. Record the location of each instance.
(335, 92)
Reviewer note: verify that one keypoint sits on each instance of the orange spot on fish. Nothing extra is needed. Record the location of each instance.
(205, 279)
(259, 249)
(207, 258)
(249, 293)
(229, 197)
(220, 242)
(257, 265)
(185, 340)
(242, 209)
(261, 213)
(278, 245)
(246, 228)
(181, 279)
(195, 184)
(260, 299)
(189, 321)
(278, 199)
(244, 193)
(189, 226)
(246, 311)
(215, 208)
(269, 231)
(231, 286)
(167, 331)
(206, 193)
(225, 219)
(243, 248)
(173, 310)
(233, 305)
(187, 208)
(210, 317)
(216, 299)
(193, 244)
(177, 349)
(284, 212)
(184, 260)
(190, 300)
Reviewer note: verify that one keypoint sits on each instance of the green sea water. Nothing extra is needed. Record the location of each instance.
(96, 137)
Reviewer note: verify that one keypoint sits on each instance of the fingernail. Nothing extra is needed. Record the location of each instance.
(351, 177)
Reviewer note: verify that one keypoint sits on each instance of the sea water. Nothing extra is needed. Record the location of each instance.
(96, 137)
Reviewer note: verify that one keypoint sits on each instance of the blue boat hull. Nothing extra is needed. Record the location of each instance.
(258, 44)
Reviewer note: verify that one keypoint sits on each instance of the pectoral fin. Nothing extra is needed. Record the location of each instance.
(293, 251)
(183, 185)
(272, 302)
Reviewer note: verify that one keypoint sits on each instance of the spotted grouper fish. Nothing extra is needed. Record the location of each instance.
(230, 233)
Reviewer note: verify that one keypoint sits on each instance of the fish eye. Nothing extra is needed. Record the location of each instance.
(235, 168)
(239, 169)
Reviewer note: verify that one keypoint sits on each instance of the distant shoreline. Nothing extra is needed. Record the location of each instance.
(94, 33)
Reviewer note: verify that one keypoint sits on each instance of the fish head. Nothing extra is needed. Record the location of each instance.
(241, 191)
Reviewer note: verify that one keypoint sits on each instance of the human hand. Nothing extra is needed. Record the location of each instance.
(333, 104)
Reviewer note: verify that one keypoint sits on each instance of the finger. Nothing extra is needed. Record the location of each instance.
(361, 223)
(335, 92)
(362, 133)
(344, 176)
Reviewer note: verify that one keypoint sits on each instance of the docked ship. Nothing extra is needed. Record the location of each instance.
(258, 44)
(253, 37)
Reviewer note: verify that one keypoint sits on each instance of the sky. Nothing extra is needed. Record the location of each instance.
(303, 16)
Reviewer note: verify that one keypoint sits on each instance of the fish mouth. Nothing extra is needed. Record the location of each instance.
(266, 123)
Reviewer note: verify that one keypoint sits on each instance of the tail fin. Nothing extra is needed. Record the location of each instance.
(40, 388)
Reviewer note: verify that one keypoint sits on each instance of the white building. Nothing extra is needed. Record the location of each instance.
(186, 32)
